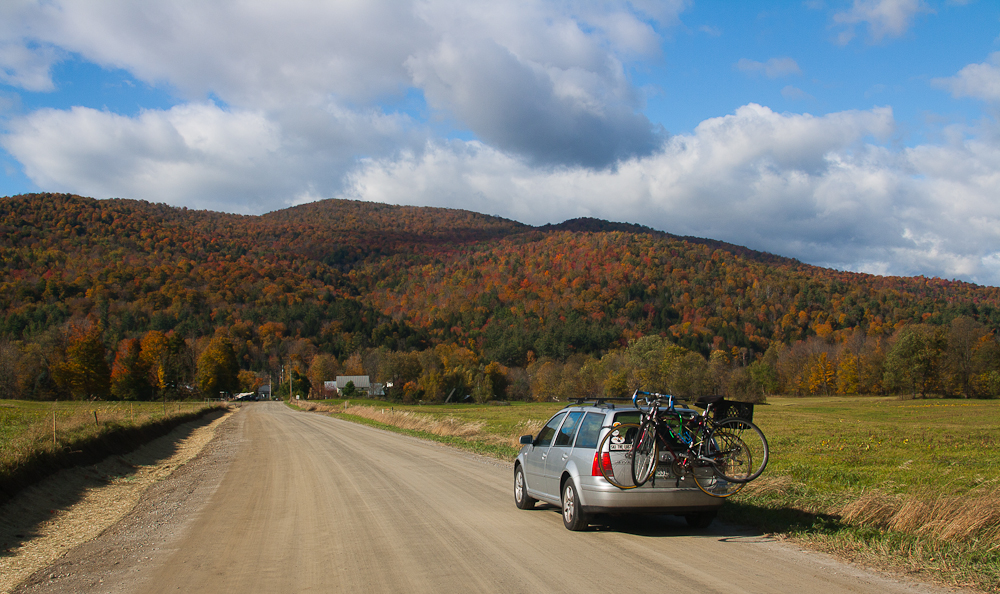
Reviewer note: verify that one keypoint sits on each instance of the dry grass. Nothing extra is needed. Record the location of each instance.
(446, 427)
(769, 485)
(434, 424)
(973, 518)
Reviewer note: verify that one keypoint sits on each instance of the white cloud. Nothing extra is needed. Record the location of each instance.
(884, 18)
(542, 79)
(552, 115)
(773, 68)
(199, 155)
(816, 188)
(27, 68)
(981, 81)
(251, 54)
(24, 61)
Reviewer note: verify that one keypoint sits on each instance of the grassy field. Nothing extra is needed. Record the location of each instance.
(905, 485)
(37, 438)
(909, 485)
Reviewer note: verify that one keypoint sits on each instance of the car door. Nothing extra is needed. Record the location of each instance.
(534, 460)
(559, 452)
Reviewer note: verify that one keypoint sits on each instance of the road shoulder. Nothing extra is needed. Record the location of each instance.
(83, 524)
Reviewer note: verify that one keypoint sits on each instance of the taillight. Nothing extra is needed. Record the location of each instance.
(601, 459)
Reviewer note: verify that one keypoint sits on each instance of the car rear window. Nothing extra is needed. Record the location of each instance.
(590, 430)
(631, 416)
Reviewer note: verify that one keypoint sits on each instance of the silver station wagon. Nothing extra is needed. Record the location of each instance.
(562, 465)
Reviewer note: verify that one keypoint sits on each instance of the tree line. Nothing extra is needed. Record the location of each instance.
(961, 359)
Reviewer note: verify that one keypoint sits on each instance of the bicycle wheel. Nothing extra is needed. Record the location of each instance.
(644, 454)
(732, 458)
(713, 484)
(753, 438)
(717, 454)
(614, 455)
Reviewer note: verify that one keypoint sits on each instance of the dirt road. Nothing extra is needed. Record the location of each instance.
(284, 501)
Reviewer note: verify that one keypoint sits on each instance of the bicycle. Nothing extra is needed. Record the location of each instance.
(736, 418)
(713, 452)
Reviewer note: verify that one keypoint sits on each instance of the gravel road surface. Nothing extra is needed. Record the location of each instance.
(285, 501)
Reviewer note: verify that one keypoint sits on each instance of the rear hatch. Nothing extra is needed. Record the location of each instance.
(668, 474)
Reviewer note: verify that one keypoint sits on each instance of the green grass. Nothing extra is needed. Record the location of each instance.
(840, 468)
(897, 446)
(870, 479)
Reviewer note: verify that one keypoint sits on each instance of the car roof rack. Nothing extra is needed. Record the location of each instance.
(597, 401)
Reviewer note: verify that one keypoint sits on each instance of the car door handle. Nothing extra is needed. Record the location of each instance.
(545, 455)
(565, 456)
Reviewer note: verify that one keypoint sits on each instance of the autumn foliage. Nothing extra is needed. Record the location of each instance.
(445, 302)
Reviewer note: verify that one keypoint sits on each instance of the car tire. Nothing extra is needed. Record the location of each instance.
(573, 515)
(700, 519)
(521, 498)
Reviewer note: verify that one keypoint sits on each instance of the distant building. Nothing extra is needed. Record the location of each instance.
(361, 383)
(264, 392)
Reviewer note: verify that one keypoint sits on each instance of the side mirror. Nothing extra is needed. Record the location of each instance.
(527, 439)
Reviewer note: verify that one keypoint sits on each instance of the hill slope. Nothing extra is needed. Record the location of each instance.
(336, 276)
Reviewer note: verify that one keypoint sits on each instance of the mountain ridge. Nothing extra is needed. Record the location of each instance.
(432, 275)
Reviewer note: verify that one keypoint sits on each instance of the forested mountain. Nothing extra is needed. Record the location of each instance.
(334, 283)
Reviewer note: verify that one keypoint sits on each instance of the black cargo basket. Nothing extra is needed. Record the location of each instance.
(730, 408)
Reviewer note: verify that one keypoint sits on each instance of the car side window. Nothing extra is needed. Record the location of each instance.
(568, 430)
(590, 430)
(549, 430)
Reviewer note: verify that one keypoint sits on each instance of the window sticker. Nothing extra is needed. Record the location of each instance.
(618, 442)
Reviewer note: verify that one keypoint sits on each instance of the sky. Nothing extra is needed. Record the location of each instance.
(860, 135)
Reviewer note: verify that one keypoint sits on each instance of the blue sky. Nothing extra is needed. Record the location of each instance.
(856, 134)
(698, 77)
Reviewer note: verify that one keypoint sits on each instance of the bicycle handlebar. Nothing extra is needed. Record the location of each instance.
(651, 397)
(656, 396)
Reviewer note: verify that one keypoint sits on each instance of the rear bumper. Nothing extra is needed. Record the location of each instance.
(599, 496)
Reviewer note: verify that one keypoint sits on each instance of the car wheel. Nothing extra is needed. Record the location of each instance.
(700, 519)
(521, 498)
(573, 516)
